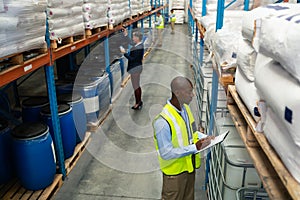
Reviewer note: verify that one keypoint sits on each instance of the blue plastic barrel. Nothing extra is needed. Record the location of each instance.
(96, 95)
(75, 100)
(31, 108)
(6, 171)
(67, 127)
(33, 155)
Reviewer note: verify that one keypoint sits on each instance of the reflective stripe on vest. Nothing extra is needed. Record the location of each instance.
(179, 134)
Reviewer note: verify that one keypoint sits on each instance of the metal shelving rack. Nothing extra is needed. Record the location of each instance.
(47, 61)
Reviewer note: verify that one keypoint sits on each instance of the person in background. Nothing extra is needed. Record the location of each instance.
(135, 65)
(178, 141)
(159, 25)
(172, 20)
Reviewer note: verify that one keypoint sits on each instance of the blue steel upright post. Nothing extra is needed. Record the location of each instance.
(215, 85)
(201, 40)
(107, 64)
(49, 72)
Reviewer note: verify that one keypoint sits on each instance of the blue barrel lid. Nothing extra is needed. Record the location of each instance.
(61, 109)
(30, 130)
(69, 98)
(3, 124)
(35, 101)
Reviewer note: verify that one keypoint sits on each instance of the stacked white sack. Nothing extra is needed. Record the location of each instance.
(94, 13)
(247, 54)
(178, 4)
(283, 44)
(285, 146)
(136, 7)
(23, 26)
(65, 18)
(146, 5)
(281, 92)
(117, 11)
(250, 27)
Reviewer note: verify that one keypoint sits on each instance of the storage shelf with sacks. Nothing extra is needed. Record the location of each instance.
(277, 180)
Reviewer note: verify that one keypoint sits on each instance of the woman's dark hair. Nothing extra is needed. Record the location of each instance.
(138, 34)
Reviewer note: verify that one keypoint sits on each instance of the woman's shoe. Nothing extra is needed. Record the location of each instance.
(137, 106)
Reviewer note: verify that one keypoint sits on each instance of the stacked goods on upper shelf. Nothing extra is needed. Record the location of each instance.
(139, 6)
(65, 18)
(179, 11)
(94, 13)
(136, 7)
(268, 73)
(117, 11)
(223, 43)
(146, 5)
(23, 26)
(248, 50)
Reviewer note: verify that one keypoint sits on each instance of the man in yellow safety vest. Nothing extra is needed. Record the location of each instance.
(178, 142)
(159, 25)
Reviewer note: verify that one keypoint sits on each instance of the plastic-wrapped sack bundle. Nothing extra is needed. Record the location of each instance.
(69, 12)
(94, 13)
(117, 11)
(20, 22)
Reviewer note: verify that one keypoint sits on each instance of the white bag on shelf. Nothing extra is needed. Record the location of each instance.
(283, 44)
(282, 93)
(246, 57)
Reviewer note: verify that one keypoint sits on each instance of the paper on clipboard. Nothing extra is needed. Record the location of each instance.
(215, 141)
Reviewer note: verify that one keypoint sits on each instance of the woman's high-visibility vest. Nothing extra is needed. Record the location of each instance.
(161, 25)
(173, 18)
(180, 138)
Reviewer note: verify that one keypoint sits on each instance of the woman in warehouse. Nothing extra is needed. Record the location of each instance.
(135, 65)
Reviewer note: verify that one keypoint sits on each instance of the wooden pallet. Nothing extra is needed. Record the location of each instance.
(95, 126)
(54, 44)
(79, 149)
(276, 179)
(225, 79)
(14, 190)
(202, 30)
(136, 15)
(90, 32)
(20, 58)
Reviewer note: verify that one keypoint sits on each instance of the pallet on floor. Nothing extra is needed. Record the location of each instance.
(125, 81)
(276, 179)
(14, 190)
(54, 44)
(90, 32)
(93, 127)
(79, 149)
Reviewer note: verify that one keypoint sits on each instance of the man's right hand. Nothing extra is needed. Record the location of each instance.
(204, 142)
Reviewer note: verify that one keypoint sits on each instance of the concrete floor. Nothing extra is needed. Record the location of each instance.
(120, 161)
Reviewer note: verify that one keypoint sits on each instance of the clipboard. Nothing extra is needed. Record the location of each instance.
(218, 139)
